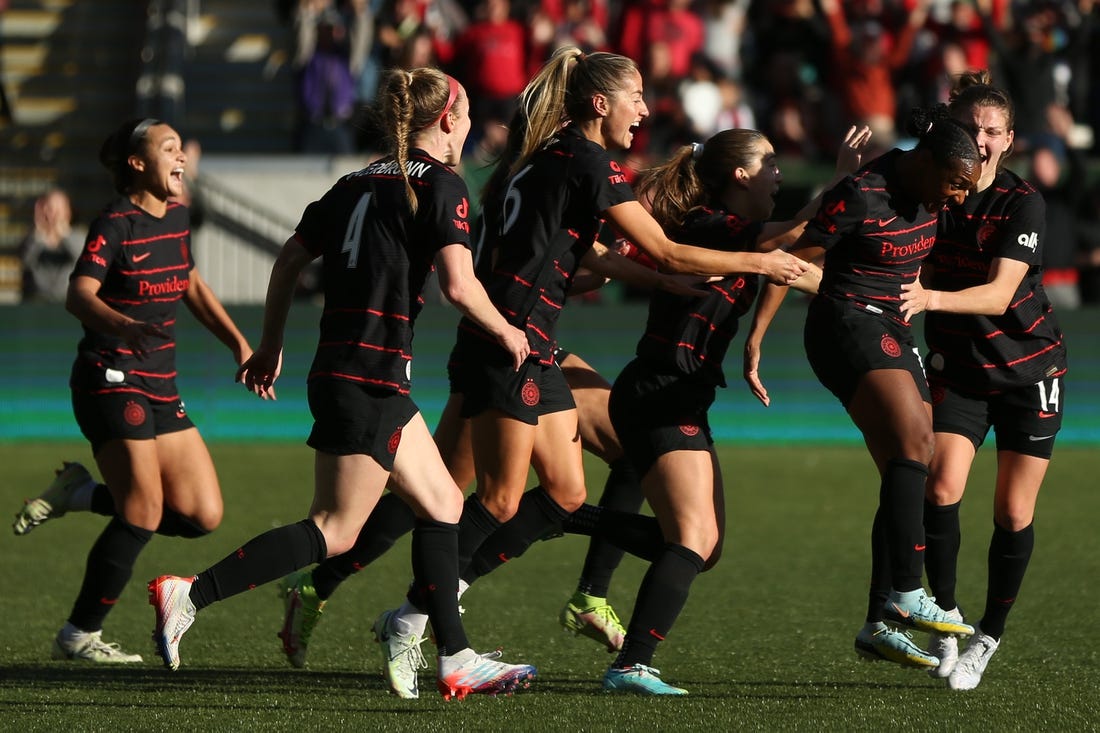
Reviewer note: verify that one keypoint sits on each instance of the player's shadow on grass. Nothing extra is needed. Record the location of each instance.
(575, 684)
(147, 678)
(205, 689)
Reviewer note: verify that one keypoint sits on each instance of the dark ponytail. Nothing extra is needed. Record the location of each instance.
(128, 139)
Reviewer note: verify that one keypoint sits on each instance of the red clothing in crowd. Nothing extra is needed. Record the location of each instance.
(659, 21)
(866, 83)
(493, 56)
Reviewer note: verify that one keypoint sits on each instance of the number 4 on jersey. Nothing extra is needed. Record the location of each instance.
(354, 230)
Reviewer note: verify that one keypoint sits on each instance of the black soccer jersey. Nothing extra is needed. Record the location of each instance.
(872, 248)
(690, 336)
(986, 354)
(144, 265)
(547, 220)
(377, 256)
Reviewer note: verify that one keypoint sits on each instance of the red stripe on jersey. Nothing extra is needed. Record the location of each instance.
(1035, 324)
(153, 375)
(132, 390)
(371, 311)
(1030, 294)
(144, 301)
(361, 380)
(139, 273)
(366, 345)
(159, 237)
(1023, 359)
(552, 304)
(165, 347)
(534, 328)
(877, 273)
(711, 325)
(515, 278)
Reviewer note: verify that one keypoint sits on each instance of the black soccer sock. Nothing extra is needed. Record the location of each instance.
(262, 559)
(661, 597)
(943, 539)
(391, 520)
(622, 492)
(538, 516)
(477, 524)
(880, 570)
(102, 501)
(174, 524)
(108, 569)
(435, 582)
(638, 534)
(1009, 554)
(902, 504)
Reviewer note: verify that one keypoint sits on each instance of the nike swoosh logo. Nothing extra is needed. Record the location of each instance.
(884, 222)
(1037, 438)
(1045, 415)
(918, 548)
(901, 612)
(140, 257)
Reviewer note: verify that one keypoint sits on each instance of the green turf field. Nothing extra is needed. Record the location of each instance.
(764, 643)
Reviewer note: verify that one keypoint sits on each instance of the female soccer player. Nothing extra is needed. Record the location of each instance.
(125, 289)
(559, 186)
(379, 231)
(997, 359)
(587, 612)
(875, 228)
(717, 195)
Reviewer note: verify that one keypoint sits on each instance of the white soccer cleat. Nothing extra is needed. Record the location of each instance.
(972, 662)
(946, 647)
(54, 501)
(89, 646)
(468, 672)
(401, 656)
(169, 595)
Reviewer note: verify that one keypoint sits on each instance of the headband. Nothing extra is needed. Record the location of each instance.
(139, 133)
(452, 94)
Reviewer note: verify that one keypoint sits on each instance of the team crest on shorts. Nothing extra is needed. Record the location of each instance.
(689, 429)
(530, 393)
(890, 346)
(394, 441)
(133, 413)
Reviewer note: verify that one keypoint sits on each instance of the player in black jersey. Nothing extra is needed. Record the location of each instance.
(306, 593)
(997, 358)
(717, 195)
(875, 228)
(135, 269)
(560, 184)
(379, 231)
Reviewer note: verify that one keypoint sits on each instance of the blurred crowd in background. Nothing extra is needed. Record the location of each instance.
(801, 71)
